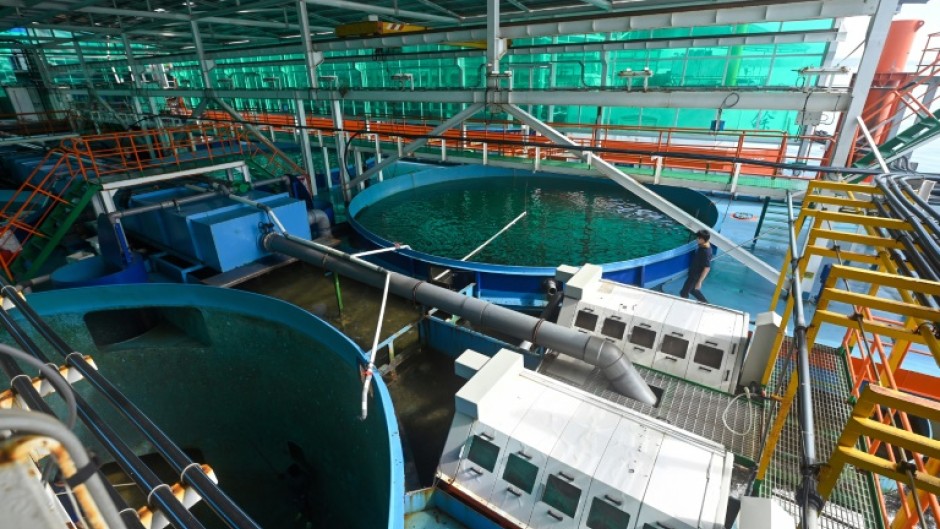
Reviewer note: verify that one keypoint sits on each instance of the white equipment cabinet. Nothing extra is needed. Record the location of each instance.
(698, 342)
(679, 328)
(718, 349)
(553, 456)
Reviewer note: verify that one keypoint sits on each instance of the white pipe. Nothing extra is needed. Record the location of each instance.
(383, 250)
(874, 146)
(375, 344)
(480, 247)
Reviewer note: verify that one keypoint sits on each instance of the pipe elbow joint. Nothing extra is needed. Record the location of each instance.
(620, 371)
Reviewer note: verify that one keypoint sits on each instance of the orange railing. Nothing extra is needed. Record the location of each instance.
(677, 148)
(874, 367)
(37, 123)
(113, 156)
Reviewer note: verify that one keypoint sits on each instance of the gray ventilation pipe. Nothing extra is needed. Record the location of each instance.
(615, 365)
(318, 217)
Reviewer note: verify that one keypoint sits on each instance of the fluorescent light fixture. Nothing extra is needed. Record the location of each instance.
(239, 42)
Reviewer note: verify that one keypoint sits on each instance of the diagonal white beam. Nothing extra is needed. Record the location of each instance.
(627, 182)
(457, 119)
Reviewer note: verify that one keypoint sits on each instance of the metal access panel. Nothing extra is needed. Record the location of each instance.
(528, 448)
(646, 330)
(678, 332)
(573, 460)
(716, 352)
(572, 465)
(614, 498)
(686, 489)
(499, 414)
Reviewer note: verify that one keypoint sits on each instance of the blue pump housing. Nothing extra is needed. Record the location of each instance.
(217, 232)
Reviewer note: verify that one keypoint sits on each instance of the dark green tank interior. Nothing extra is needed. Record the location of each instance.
(272, 409)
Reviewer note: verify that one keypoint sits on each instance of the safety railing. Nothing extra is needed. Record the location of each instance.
(917, 480)
(879, 362)
(37, 123)
(656, 150)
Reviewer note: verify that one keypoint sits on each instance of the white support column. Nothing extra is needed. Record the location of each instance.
(875, 40)
(378, 155)
(135, 101)
(339, 139)
(495, 45)
(658, 168)
(357, 155)
(312, 58)
(305, 145)
(205, 65)
(626, 181)
(735, 173)
(403, 151)
(326, 159)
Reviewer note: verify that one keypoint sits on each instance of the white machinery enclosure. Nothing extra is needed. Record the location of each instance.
(538, 453)
(701, 343)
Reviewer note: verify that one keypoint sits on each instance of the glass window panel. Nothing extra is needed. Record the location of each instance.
(643, 337)
(561, 495)
(605, 516)
(520, 473)
(674, 346)
(613, 328)
(708, 356)
(483, 452)
(586, 320)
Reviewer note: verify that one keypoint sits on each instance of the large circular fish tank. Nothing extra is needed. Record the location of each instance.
(262, 391)
(445, 213)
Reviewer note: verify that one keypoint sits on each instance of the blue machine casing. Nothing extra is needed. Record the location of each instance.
(217, 232)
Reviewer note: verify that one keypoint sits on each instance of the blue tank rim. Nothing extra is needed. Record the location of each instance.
(374, 193)
(108, 297)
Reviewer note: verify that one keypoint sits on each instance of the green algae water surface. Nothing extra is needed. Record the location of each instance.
(567, 221)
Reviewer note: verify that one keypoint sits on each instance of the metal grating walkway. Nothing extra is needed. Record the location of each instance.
(691, 407)
(699, 410)
(853, 504)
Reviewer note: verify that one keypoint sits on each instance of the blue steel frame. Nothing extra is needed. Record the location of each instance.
(83, 300)
(520, 286)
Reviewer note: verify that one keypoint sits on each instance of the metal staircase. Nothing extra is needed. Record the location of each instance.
(772, 227)
(926, 126)
(924, 130)
(39, 215)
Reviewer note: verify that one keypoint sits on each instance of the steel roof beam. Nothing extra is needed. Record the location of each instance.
(434, 6)
(600, 4)
(822, 101)
(181, 17)
(617, 22)
(374, 9)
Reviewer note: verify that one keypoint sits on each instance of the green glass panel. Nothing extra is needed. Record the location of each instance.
(483, 453)
(605, 516)
(561, 495)
(520, 473)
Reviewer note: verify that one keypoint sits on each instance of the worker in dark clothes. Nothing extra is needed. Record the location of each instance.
(701, 264)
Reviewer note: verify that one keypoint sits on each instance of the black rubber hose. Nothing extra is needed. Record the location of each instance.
(914, 256)
(146, 480)
(901, 211)
(923, 209)
(230, 513)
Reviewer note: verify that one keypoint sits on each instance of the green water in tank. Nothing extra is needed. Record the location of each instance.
(567, 221)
